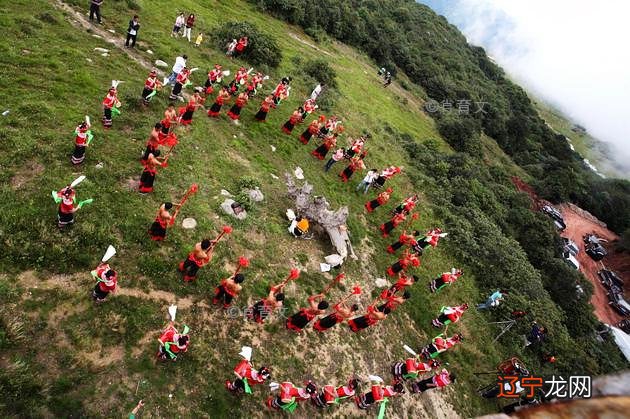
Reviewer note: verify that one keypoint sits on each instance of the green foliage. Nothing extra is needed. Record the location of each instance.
(262, 48)
(435, 55)
(321, 70)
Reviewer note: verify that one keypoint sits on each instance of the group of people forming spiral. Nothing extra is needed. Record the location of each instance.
(243, 87)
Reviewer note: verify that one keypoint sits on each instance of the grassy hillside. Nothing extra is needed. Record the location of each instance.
(63, 356)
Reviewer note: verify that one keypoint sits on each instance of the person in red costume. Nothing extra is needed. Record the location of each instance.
(446, 279)
(296, 118)
(200, 256)
(107, 279)
(150, 170)
(81, 141)
(403, 263)
(373, 316)
(312, 129)
(341, 312)
(228, 290)
(235, 111)
(240, 46)
(261, 116)
(378, 394)
(222, 97)
(111, 101)
(172, 343)
(214, 76)
(163, 218)
(66, 198)
(403, 282)
(407, 205)
(247, 376)
(381, 199)
(290, 395)
(332, 395)
(440, 344)
(439, 380)
(152, 84)
(186, 112)
(317, 306)
(263, 308)
(449, 315)
(411, 368)
(389, 226)
(403, 240)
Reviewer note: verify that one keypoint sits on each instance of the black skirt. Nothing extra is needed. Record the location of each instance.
(156, 230)
(65, 218)
(78, 155)
(261, 115)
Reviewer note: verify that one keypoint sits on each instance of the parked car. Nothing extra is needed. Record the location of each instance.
(609, 278)
(570, 259)
(555, 215)
(595, 251)
(570, 245)
(624, 325)
(619, 303)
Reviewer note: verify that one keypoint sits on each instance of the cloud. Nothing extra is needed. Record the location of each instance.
(573, 53)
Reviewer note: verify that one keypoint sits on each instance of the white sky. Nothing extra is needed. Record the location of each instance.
(574, 53)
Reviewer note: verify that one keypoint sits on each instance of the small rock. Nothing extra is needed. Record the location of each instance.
(381, 282)
(272, 148)
(190, 167)
(299, 173)
(170, 396)
(26, 51)
(99, 49)
(97, 36)
(5, 113)
(274, 176)
(104, 54)
(149, 52)
(111, 30)
(99, 165)
(225, 193)
(189, 223)
(160, 63)
(256, 195)
(234, 136)
(226, 206)
(89, 60)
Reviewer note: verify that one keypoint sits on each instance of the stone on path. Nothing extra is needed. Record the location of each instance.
(99, 49)
(160, 63)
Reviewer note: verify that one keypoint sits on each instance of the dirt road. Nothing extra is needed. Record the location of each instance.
(577, 226)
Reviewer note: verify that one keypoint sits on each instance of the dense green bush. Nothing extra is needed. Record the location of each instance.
(262, 49)
(320, 70)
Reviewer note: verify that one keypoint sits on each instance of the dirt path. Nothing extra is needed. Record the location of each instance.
(81, 283)
(80, 20)
(577, 226)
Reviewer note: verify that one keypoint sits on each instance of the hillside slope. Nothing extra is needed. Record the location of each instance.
(64, 356)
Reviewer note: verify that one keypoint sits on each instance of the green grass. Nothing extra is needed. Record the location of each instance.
(49, 85)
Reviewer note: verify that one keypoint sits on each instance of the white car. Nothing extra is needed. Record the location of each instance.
(570, 260)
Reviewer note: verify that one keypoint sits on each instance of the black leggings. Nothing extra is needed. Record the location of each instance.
(190, 268)
(95, 10)
(132, 38)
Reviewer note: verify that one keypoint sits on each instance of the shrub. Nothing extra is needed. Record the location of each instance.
(320, 70)
(262, 48)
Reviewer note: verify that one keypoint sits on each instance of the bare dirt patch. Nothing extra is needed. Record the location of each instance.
(579, 224)
(27, 173)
